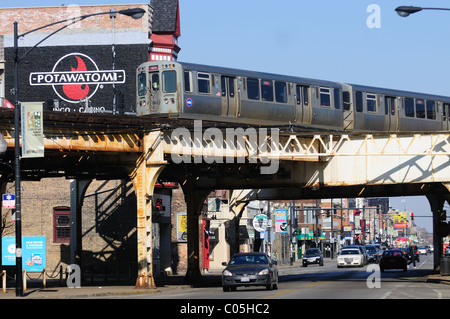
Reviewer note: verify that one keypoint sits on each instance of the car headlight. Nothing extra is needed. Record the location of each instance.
(227, 273)
(264, 272)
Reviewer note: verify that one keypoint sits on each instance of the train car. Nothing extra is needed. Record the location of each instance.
(192, 91)
(374, 109)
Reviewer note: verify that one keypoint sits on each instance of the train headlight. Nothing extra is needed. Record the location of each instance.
(166, 100)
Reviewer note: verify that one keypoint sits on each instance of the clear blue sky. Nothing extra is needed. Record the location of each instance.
(323, 39)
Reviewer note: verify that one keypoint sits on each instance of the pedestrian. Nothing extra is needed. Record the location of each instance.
(412, 254)
(275, 255)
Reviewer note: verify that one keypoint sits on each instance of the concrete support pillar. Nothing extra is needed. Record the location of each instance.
(144, 177)
(194, 202)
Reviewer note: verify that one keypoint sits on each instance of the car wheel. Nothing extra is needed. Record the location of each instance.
(321, 263)
(305, 265)
(226, 289)
(405, 269)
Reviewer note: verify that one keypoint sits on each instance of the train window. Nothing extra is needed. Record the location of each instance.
(169, 81)
(409, 107)
(155, 81)
(142, 85)
(266, 90)
(203, 80)
(337, 99)
(305, 95)
(346, 99)
(231, 87)
(253, 89)
(359, 101)
(223, 85)
(431, 110)
(280, 92)
(420, 108)
(325, 98)
(371, 100)
(187, 81)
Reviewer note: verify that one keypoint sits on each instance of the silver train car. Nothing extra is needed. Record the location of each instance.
(192, 91)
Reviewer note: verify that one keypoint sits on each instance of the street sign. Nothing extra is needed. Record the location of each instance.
(260, 222)
(9, 201)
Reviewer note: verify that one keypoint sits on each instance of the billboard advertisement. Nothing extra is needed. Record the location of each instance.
(281, 220)
(33, 252)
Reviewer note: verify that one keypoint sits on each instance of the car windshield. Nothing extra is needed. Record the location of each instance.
(371, 248)
(312, 251)
(248, 259)
(350, 252)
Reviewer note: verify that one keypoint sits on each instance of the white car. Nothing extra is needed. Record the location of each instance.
(350, 257)
(422, 250)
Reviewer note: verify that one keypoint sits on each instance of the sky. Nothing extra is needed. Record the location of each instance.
(354, 41)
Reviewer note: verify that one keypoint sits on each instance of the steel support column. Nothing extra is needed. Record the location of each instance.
(437, 205)
(144, 177)
(194, 202)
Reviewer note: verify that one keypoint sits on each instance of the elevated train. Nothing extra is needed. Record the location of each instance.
(193, 91)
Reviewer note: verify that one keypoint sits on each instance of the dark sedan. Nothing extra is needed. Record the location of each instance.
(312, 256)
(250, 269)
(393, 259)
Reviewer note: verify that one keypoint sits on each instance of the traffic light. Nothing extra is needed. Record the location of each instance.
(412, 216)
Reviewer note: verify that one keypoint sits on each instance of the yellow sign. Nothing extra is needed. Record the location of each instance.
(400, 217)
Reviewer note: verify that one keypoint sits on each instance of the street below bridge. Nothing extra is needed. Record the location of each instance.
(322, 282)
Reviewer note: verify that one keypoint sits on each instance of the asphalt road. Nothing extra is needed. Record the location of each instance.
(328, 282)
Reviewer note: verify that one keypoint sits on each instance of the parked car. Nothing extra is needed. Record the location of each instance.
(312, 256)
(373, 253)
(250, 269)
(393, 259)
(349, 257)
(363, 252)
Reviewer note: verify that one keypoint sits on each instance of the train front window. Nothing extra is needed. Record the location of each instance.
(169, 81)
(155, 81)
(142, 83)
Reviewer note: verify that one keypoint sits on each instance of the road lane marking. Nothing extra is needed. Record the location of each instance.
(282, 293)
(316, 284)
(386, 295)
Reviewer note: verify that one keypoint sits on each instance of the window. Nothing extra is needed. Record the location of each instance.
(266, 90)
(203, 80)
(142, 85)
(325, 98)
(253, 89)
(409, 107)
(223, 83)
(420, 108)
(169, 81)
(371, 100)
(61, 224)
(359, 101)
(346, 99)
(280, 92)
(445, 110)
(155, 81)
(431, 110)
(337, 99)
(187, 81)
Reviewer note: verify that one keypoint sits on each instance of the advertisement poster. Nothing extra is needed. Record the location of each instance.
(33, 252)
(281, 220)
(181, 220)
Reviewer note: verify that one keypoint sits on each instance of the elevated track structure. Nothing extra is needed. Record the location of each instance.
(255, 162)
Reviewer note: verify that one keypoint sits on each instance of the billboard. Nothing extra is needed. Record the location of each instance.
(281, 220)
(81, 78)
(33, 252)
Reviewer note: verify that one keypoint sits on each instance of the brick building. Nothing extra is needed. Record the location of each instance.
(109, 43)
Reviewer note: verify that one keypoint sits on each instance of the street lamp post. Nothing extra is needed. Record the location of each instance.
(135, 13)
(405, 11)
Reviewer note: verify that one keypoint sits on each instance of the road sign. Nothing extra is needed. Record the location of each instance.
(260, 222)
(9, 201)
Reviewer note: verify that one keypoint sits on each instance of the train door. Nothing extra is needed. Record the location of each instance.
(303, 109)
(229, 101)
(348, 110)
(155, 94)
(445, 116)
(391, 112)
